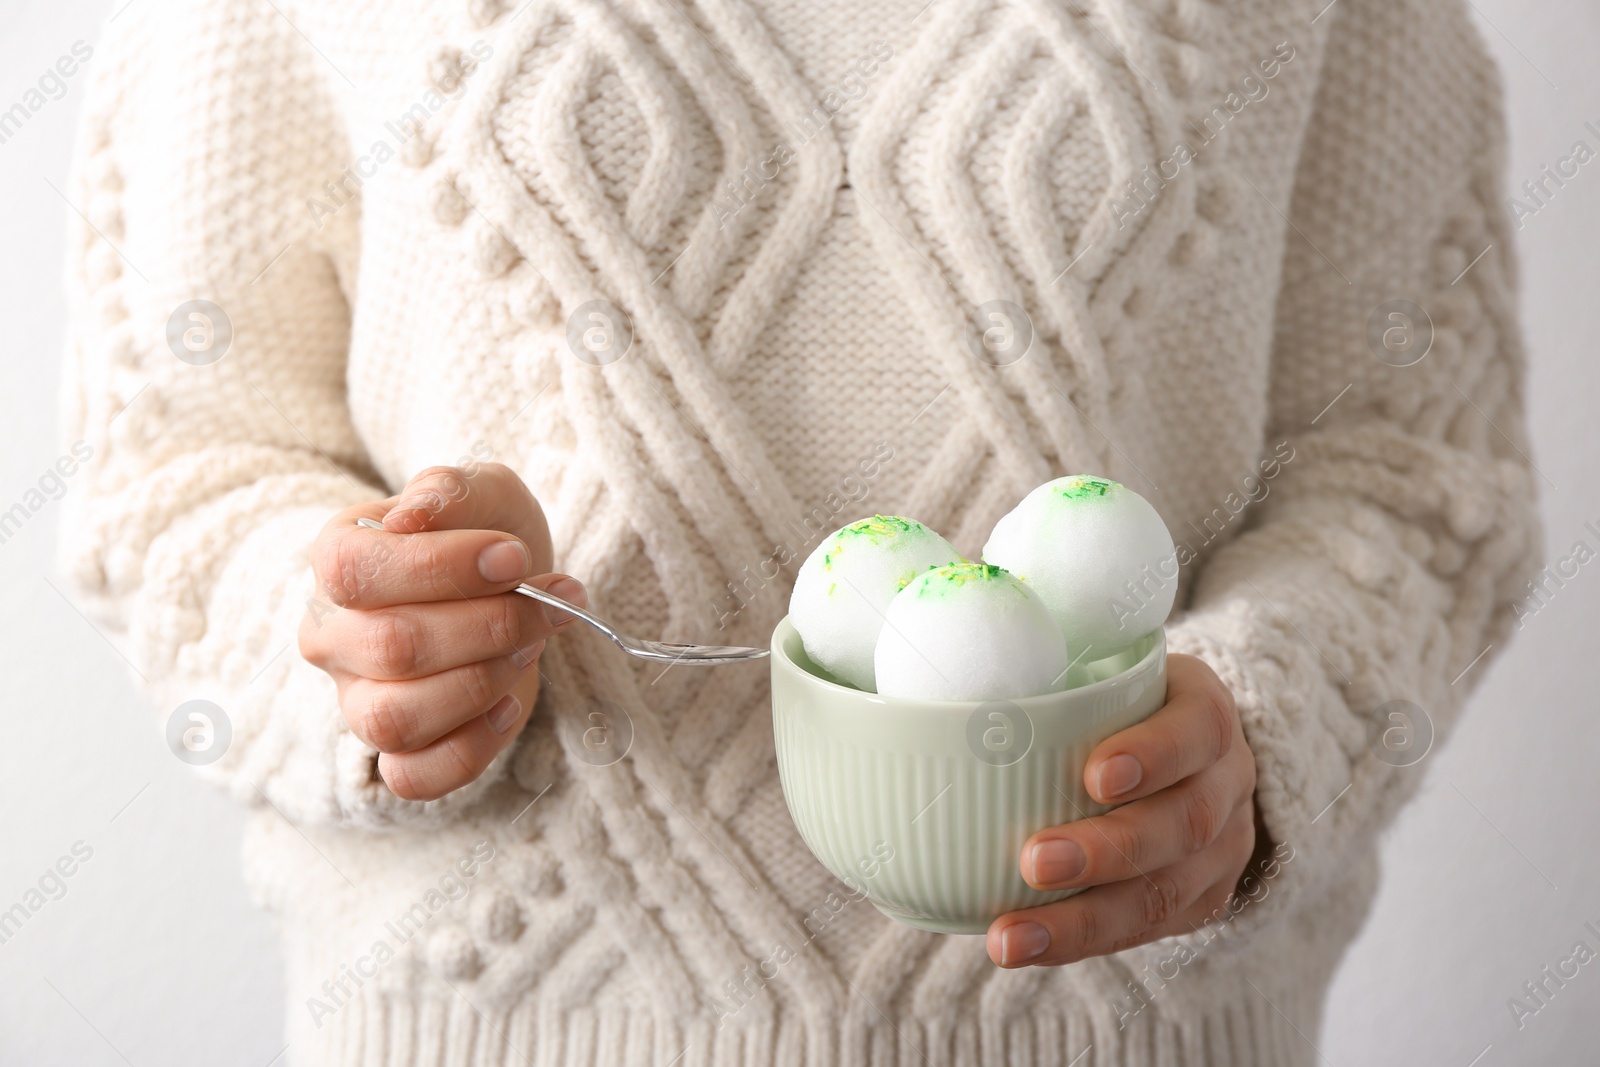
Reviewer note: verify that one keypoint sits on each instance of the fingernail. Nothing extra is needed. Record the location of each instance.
(1118, 775)
(503, 561)
(505, 714)
(1022, 942)
(1057, 861)
(572, 591)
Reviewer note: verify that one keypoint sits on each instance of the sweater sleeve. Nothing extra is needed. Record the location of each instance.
(1380, 574)
(209, 323)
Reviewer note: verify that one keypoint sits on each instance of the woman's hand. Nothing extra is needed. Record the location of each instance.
(1167, 859)
(436, 662)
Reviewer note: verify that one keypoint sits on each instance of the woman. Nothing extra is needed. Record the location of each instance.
(660, 293)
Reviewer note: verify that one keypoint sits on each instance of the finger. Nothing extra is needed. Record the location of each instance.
(1220, 901)
(395, 717)
(1141, 836)
(482, 496)
(1109, 918)
(312, 639)
(1196, 726)
(365, 569)
(416, 640)
(454, 760)
(1216, 905)
(1097, 920)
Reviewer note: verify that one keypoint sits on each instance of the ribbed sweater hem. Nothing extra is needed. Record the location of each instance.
(384, 1030)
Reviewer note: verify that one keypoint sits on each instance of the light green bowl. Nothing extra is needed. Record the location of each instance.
(923, 805)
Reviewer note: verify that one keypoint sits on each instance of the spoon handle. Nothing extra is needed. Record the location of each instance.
(655, 650)
(529, 591)
(556, 602)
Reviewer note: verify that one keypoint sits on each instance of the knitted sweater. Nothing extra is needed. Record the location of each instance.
(799, 217)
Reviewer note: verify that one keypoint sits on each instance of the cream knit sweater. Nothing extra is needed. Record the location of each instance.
(800, 208)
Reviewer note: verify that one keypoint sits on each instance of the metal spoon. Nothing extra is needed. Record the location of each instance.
(688, 655)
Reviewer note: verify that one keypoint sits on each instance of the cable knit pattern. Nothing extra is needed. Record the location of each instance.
(799, 318)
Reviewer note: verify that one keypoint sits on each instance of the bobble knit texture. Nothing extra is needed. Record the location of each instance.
(585, 149)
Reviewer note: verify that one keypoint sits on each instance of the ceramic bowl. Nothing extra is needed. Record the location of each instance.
(923, 805)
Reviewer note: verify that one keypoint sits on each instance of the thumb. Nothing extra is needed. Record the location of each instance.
(486, 496)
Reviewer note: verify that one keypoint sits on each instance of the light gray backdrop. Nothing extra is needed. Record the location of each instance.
(154, 955)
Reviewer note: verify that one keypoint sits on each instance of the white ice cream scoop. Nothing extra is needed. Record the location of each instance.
(846, 584)
(1098, 554)
(969, 631)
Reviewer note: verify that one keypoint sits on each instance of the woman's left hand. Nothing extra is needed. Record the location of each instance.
(1169, 857)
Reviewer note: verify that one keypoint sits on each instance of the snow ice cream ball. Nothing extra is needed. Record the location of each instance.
(1099, 556)
(969, 631)
(845, 585)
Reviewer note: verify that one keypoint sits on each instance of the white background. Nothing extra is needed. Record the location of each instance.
(155, 955)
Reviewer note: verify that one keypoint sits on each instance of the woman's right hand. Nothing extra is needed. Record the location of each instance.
(435, 660)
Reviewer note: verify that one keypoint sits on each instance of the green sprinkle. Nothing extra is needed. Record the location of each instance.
(880, 527)
(941, 579)
(1079, 488)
